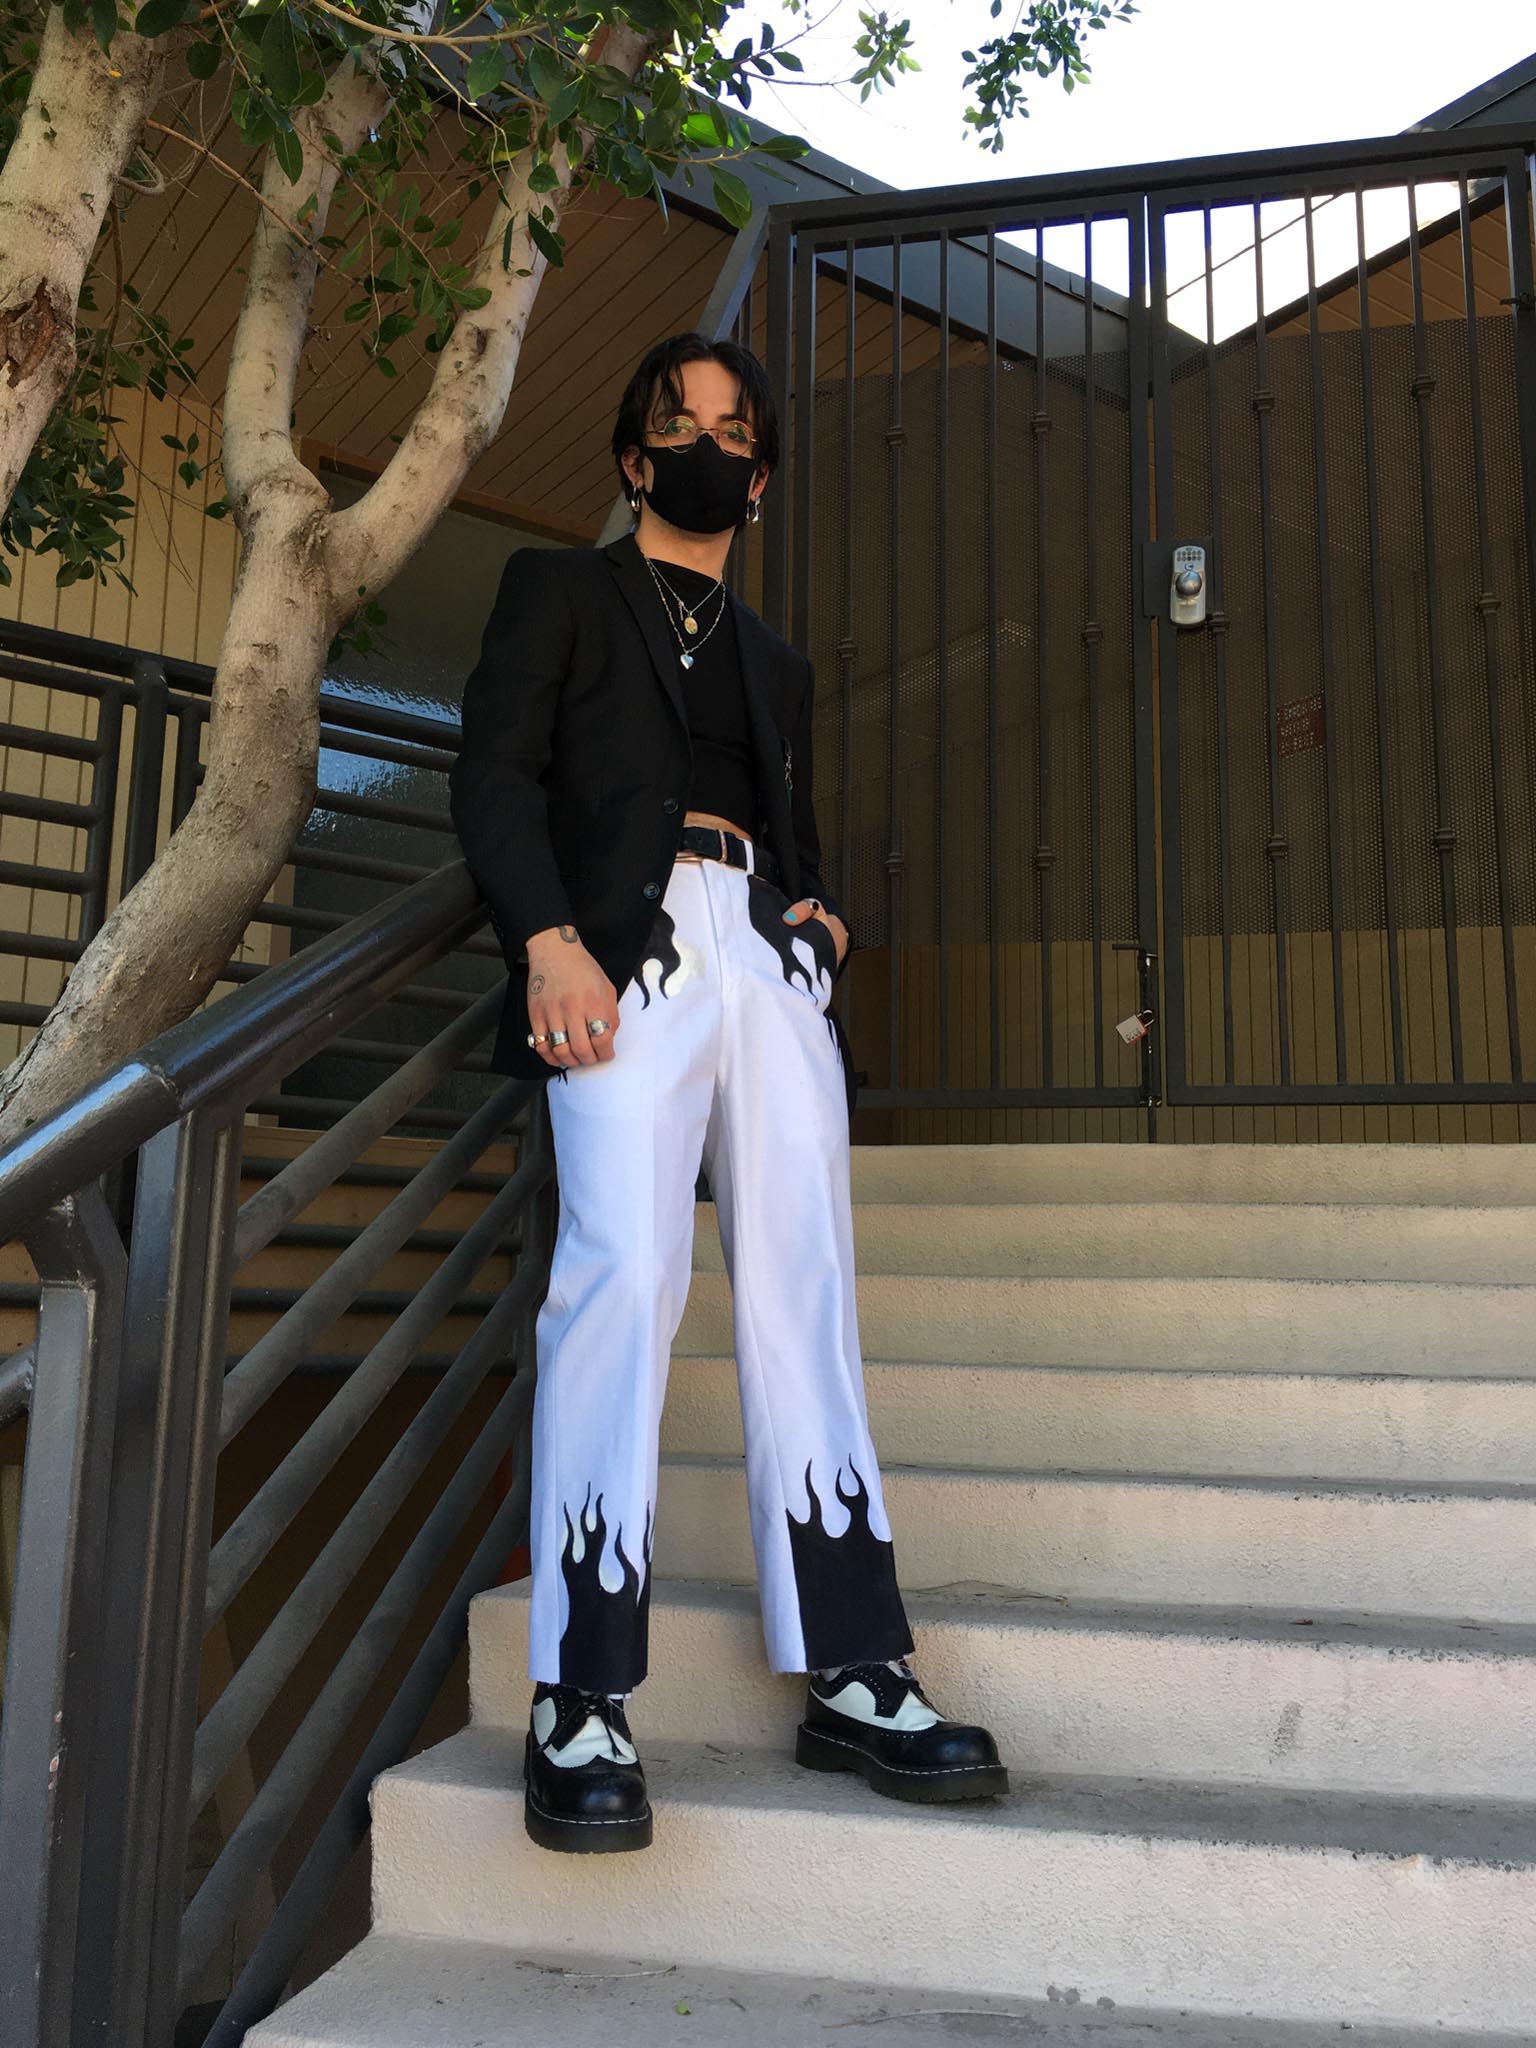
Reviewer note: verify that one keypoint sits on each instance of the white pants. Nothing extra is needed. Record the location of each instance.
(724, 1052)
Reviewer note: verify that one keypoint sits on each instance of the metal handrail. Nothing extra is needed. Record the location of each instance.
(130, 1395)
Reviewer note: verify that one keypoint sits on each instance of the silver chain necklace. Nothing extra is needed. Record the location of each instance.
(685, 654)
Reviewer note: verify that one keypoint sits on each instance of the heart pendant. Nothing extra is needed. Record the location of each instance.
(686, 660)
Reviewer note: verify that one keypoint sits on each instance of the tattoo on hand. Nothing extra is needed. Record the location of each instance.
(536, 985)
(568, 933)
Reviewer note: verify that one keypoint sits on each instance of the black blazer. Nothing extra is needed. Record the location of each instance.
(569, 788)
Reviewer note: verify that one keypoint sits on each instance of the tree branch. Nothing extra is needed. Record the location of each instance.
(373, 538)
(280, 283)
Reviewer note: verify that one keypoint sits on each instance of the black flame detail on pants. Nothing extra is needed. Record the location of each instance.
(766, 904)
(850, 1605)
(603, 1646)
(661, 946)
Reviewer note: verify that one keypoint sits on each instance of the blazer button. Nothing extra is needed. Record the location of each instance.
(669, 803)
(651, 889)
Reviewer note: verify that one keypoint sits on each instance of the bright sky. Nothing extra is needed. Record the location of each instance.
(1182, 78)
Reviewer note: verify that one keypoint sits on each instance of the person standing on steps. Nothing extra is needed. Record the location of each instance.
(633, 797)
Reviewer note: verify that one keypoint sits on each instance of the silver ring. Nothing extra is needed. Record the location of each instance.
(597, 1026)
(559, 1037)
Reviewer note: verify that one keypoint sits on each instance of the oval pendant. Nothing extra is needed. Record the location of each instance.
(691, 623)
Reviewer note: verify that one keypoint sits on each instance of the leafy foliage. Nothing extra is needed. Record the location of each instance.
(517, 83)
(70, 500)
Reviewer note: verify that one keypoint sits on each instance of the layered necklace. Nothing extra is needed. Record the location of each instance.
(688, 614)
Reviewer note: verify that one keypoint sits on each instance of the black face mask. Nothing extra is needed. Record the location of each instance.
(701, 489)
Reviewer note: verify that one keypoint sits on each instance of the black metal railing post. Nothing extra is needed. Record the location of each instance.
(52, 1695)
(174, 1350)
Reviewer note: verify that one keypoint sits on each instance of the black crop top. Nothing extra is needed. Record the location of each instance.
(725, 778)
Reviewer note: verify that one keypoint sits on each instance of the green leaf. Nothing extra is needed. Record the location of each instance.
(706, 129)
(545, 71)
(156, 17)
(289, 151)
(487, 68)
(550, 244)
(733, 198)
(280, 58)
(104, 23)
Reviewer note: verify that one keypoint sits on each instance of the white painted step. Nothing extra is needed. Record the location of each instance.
(1238, 1698)
(405, 1991)
(1328, 1326)
(1454, 1553)
(1449, 1176)
(1278, 1906)
(1155, 1420)
(1171, 1240)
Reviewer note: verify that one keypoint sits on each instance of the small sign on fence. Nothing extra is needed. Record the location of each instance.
(1300, 724)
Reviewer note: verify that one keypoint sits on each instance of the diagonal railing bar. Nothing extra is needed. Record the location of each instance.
(289, 1193)
(247, 1540)
(263, 1825)
(271, 1661)
(272, 1357)
(263, 1980)
(127, 1393)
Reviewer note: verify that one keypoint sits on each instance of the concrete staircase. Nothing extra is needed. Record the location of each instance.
(1213, 1478)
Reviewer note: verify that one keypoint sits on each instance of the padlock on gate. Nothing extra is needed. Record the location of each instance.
(1134, 1029)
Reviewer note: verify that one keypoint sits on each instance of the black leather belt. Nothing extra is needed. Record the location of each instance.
(713, 842)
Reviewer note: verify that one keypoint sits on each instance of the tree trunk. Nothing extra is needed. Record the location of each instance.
(78, 129)
(170, 938)
(166, 943)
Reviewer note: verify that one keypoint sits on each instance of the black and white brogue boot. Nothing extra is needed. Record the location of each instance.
(585, 1782)
(876, 1719)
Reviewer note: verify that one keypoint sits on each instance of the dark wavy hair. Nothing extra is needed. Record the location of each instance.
(659, 375)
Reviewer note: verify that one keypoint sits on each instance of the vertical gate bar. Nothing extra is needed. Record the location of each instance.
(175, 1348)
(804, 386)
(191, 717)
(941, 608)
(1040, 428)
(848, 643)
(1379, 644)
(1278, 848)
(57, 1689)
(1331, 806)
(1522, 285)
(106, 773)
(780, 346)
(1219, 628)
(1149, 786)
(1093, 635)
(1488, 610)
(146, 767)
(895, 436)
(1444, 837)
(991, 863)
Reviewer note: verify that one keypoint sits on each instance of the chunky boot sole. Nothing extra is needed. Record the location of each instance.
(580, 1837)
(821, 1752)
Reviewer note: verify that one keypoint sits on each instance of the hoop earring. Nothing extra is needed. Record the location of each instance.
(755, 510)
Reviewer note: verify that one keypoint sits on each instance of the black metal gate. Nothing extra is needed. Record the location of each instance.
(1299, 829)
